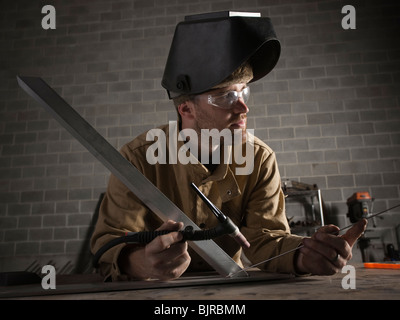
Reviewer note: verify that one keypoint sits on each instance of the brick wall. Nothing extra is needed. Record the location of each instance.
(330, 109)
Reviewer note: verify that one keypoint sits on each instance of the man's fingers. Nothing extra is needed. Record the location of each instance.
(168, 256)
(326, 252)
(163, 242)
(330, 228)
(332, 245)
(172, 262)
(165, 257)
(355, 232)
(316, 262)
(171, 225)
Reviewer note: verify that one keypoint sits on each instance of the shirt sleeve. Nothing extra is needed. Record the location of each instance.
(265, 225)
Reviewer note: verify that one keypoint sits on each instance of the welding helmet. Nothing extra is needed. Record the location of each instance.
(207, 49)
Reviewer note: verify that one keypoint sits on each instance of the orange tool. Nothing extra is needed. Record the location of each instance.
(382, 265)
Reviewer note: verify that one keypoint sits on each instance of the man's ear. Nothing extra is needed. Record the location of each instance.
(186, 110)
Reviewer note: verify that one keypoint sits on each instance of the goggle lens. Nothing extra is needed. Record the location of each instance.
(228, 99)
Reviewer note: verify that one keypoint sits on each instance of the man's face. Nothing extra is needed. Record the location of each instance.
(209, 116)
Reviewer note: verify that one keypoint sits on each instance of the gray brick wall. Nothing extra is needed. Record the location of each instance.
(330, 109)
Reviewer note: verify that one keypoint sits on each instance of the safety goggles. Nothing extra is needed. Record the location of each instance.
(228, 99)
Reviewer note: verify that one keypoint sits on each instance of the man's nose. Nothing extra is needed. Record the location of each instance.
(240, 106)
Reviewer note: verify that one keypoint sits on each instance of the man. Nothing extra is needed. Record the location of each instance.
(212, 60)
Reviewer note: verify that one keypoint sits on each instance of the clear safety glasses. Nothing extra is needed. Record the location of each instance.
(228, 99)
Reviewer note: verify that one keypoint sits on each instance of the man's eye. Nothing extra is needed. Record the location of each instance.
(231, 94)
(228, 98)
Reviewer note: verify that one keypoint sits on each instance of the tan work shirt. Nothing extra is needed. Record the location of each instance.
(254, 202)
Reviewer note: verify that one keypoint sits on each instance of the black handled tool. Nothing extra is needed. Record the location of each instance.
(225, 226)
(227, 223)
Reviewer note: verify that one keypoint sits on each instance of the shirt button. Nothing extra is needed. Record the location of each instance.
(229, 192)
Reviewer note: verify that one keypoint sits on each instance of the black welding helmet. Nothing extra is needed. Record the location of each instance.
(206, 49)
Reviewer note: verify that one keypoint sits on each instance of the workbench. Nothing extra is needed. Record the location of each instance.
(370, 284)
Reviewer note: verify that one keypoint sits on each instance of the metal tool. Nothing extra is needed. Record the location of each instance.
(301, 246)
(372, 216)
(225, 221)
(152, 197)
(225, 226)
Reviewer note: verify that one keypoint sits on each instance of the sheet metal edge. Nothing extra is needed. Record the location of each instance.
(150, 195)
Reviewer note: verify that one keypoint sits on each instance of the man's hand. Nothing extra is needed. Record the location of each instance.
(325, 253)
(164, 258)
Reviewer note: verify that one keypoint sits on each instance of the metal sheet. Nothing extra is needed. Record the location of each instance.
(152, 197)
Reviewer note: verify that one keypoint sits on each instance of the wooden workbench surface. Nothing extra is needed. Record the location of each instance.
(370, 284)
